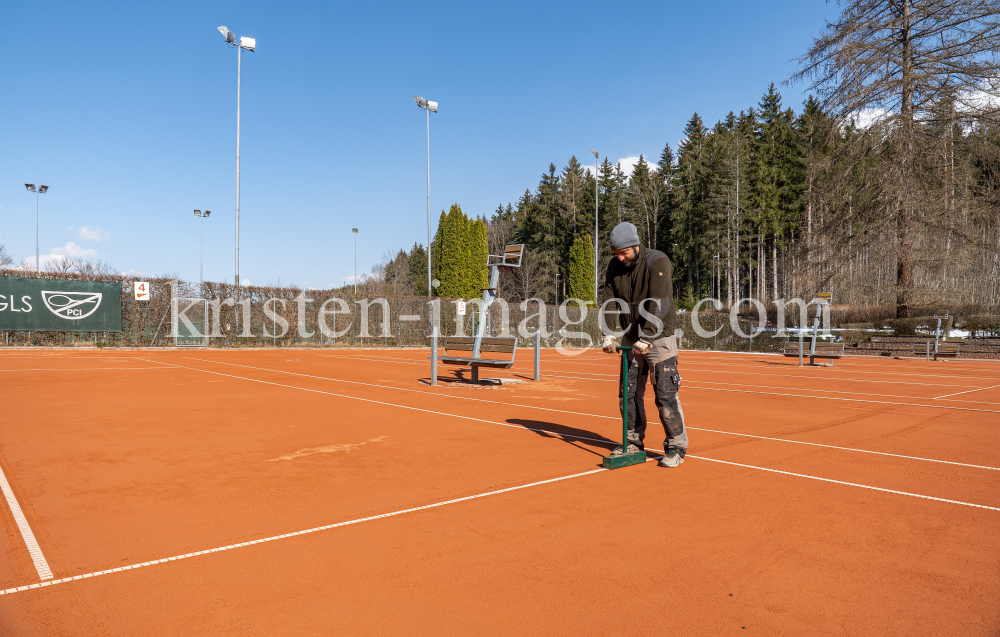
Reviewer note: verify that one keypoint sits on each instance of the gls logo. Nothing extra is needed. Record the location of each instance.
(72, 305)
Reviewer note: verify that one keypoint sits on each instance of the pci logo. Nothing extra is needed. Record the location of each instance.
(72, 305)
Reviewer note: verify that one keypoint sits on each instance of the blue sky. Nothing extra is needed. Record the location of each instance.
(128, 112)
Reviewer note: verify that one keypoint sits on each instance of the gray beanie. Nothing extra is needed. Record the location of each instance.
(624, 236)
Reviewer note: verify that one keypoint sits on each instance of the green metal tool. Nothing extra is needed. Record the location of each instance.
(625, 459)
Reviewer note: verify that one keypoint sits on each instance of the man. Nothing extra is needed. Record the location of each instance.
(641, 279)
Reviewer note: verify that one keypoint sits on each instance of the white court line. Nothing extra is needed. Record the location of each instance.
(855, 371)
(849, 484)
(766, 393)
(375, 517)
(816, 444)
(316, 529)
(686, 366)
(850, 400)
(75, 369)
(563, 411)
(965, 392)
(812, 389)
(22, 524)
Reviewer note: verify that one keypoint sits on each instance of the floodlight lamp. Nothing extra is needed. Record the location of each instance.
(250, 44)
(30, 187)
(354, 230)
(593, 150)
(226, 33)
(197, 213)
(432, 106)
(421, 102)
(43, 189)
(206, 213)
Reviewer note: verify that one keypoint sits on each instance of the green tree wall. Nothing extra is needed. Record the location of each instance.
(476, 272)
(460, 250)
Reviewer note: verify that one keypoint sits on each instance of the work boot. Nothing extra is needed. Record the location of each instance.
(631, 449)
(673, 457)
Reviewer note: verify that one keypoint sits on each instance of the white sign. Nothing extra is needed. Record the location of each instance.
(72, 305)
(461, 308)
(141, 291)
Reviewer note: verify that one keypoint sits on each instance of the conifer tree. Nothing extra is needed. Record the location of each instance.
(581, 269)
(453, 253)
(418, 269)
(476, 272)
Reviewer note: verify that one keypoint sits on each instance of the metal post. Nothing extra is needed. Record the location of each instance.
(538, 355)
(201, 256)
(239, 62)
(596, 225)
(355, 262)
(434, 356)
(625, 351)
(812, 346)
(937, 336)
(928, 344)
(801, 342)
(36, 233)
(428, 111)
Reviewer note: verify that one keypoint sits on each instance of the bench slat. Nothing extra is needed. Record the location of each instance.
(823, 350)
(480, 362)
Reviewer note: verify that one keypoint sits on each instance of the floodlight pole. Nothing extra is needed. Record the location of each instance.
(201, 254)
(428, 106)
(596, 226)
(428, 112)
(40, 190)
(239, 73)
(355, 231)
(36, 230)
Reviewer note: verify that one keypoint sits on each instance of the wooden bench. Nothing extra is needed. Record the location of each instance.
(944, 350)
(492, 353)
(823, 349)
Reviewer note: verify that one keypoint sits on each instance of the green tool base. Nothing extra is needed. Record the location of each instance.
(624, 460)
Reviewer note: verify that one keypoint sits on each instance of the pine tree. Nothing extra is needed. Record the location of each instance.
(691, 208)
(418, 269)
(581, 269)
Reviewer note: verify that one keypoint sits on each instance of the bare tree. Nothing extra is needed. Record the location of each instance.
(647, 196)
(896, 62)
(5, 259)
(530, 280)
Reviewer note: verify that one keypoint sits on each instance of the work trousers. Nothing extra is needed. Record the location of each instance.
(659, 365)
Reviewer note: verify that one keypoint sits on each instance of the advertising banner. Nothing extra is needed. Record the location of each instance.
(47, 305)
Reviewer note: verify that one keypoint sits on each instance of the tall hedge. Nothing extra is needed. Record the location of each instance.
(477, 274)
(581, 269)
(460, 250)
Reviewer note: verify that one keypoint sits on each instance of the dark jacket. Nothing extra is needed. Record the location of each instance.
(649, 276)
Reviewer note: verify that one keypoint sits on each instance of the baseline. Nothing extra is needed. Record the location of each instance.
(22, 524)
(316, 529)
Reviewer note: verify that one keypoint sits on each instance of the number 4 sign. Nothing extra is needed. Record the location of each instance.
(141, 291)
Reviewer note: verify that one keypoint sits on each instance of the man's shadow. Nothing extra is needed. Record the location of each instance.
(570, 435)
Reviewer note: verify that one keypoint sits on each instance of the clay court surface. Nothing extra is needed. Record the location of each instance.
(185, 492)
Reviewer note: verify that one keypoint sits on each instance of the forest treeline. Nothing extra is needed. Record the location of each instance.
(882, 188)
(755, 205)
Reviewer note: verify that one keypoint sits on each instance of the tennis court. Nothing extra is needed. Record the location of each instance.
(334, 491)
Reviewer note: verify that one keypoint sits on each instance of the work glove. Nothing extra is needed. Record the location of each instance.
(608, 344)
(640, 347)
